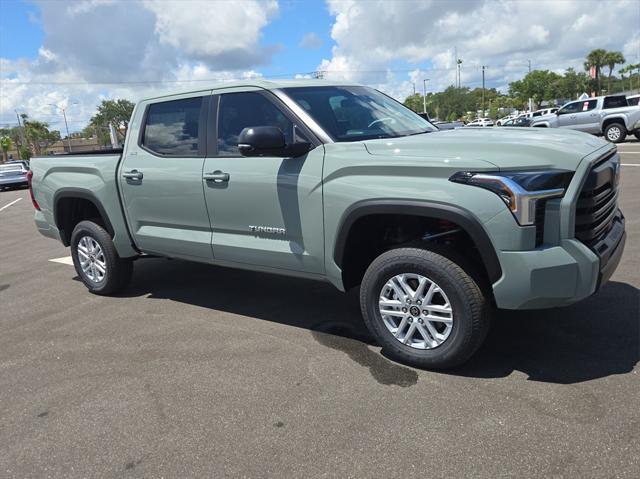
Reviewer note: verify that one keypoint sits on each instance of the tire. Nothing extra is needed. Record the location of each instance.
(117, 271)
(469, 318)
(637, 135)
(615, 132)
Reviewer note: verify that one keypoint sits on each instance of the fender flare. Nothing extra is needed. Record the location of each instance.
(463, 218)
(84, 194)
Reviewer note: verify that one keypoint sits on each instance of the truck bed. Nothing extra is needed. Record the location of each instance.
(91, 178)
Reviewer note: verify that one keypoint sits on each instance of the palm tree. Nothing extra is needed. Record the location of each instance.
(597, 59)
(5, 144)
(611, 60)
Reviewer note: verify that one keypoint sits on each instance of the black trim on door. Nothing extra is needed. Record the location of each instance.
(461, 217)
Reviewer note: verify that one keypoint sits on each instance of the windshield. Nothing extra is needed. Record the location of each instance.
(355, 113)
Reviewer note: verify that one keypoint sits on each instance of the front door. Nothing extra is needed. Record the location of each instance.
(567, 115)
(161, 178)
(587, 119)
(265, 211)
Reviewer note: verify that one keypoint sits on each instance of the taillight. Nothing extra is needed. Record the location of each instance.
(33, 199)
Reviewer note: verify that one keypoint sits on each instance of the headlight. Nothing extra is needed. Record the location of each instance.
(520, 190)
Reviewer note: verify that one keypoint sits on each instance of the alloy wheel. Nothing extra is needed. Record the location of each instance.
(92, 260)
(416, 311)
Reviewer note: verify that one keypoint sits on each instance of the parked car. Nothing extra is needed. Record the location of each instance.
(339, 183)
(504, 119)
(449, 125)
(13, 173)
(481, 122)
(520, 121)
(610, 116)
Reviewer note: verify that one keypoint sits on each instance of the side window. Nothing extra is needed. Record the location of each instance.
(570, 108)
(237, 111)
(171, 127)
(588, 105)
(615, 102)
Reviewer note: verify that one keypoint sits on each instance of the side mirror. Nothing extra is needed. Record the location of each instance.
(557, 112)
(268, 141)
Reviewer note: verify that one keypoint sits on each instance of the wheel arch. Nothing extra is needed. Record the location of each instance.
(62, 211)
(614, 119)
(464, 219)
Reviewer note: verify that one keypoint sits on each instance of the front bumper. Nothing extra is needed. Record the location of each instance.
(558, 275)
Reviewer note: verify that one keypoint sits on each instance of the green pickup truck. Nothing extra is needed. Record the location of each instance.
(340, 183)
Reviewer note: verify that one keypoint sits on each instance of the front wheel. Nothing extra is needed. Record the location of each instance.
(423, 308)
(615, 132)
(96, 260)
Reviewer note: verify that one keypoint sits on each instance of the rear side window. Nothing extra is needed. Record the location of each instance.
(633, 101)
(171, 127)
(615, 102)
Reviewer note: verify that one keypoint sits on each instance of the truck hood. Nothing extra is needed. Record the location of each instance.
(506, 148)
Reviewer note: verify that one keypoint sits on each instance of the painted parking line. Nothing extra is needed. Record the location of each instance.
(9, 204)
(64, 260)
(629, 164)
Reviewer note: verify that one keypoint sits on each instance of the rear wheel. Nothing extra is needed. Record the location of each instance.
(423, 308)
(615, 132)
(96, 259)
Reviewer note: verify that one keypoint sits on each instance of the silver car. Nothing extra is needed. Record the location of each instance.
(13, 173)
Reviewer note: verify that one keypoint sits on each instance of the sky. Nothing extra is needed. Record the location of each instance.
(71, 54)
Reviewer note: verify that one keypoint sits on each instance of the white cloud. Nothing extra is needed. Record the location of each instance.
(96, 49)
(311, 41)
(203, 28)
(504, 35)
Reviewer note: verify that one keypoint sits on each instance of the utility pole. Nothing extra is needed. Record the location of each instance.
(458, 66)
(530, 100)
(455, 59)
(66, 125)
(424, 98)
(414, 88)
(22, 135)
(482, 91)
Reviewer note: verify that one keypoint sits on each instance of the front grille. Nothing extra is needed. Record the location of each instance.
(598, 201)
(541, 206)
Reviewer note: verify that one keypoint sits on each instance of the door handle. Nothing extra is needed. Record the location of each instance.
(217, 176)
(132, 175)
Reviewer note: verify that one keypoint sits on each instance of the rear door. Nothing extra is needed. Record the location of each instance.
(161, 177)
(265, 211)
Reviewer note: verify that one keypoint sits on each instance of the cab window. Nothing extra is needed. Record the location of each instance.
(238, 111)
(569, 108)
(171, 127)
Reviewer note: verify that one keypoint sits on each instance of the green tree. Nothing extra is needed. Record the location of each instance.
(114, 112)
(597, 59)
(5, 144)
(37, 135)
(572, 84)
(414, 102)
(611, 60)
(538, 84)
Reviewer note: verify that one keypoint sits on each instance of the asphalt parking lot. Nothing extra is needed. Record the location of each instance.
(198, 371)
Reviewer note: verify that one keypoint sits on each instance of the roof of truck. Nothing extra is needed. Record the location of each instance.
(258, 83)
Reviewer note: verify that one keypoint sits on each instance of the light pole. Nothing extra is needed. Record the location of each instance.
(66, 125)
(424, 98)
